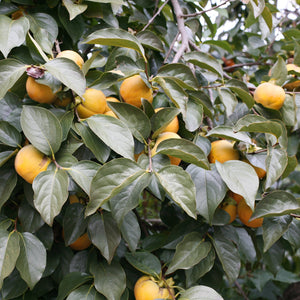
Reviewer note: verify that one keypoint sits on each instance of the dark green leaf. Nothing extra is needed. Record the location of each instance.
(279, 71)
(42, 129)
(9, 135)
(8, 179)
(149, 39)
(31, 262)
(50, 193)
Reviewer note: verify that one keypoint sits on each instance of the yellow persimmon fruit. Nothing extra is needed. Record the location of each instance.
(39, 92)
(245, 213)
(133, 89)
(295, 84)
(110, 99)
(261, 173)
(29, 162)
(70, 54)
(221, 151)
(82, 243)
(173, 126)
(165, 136)
(93, 102)
(147, 289)
(269, 95)
(235, 196)
(231, 209)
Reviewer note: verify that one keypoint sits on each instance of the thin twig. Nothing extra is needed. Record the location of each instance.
(155, 15)
(171, 47)
(205, 11)
(241, 290)
(295, 216)
(181, 27)
(255, 63)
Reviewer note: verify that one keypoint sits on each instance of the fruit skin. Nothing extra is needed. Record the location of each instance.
(261, 173)
(133, 89)
(93, 102)
(235, 196)
(110, 99)
(70, 54)
(63, 102)
(39, 92)
(231, 209)
(295, 84)
(245, 213)
(173, 126)
(29, 162)
(269, 95)
(146, 289)
(165, 136)
(82, 243)
(221, 151)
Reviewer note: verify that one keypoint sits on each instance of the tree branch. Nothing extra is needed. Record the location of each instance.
(155, 15)
(205, 11)
(255, 63)
(181, 27)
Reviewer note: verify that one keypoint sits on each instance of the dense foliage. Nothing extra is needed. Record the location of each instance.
(139, 213)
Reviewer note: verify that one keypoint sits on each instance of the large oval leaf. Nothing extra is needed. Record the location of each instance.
(179, 185)
(13, 33)
(115, 37)
(240, 178)
(114, 133)
(67, 71)
(200, 292)
(9, 135)
(110, 179)
(50, 193)
(42, 128)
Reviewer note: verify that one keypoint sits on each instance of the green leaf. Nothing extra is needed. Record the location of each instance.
(13, 286)
(268, 18)
(179, 185)
(180, 73)
(8, 179)
(199, 270)
(110, 280)
(66, 121)
(68, 72)
(277, 203)
(279, 71)
(228, 99)
(240, 178)
(50, 193)
(210, 190)
(162, 118)
(42, 129)
(5, 156)
(222, 44)
(9, 252)
(205, 61)
(110, 179)
(145, 262)
(70, 282)
(254, 123)
(104, 234)
(117, 38)
(9, 135)
(276, 163)
(13, 33)
(114, 133)
(200, 292)
(128, 198)
(44, 29)
(204, 100)
(243, 95)
(149, 39)
(83, 173)
(273, 229)
(135, 119)
(289, 111)
(175, 92)
(31, 262)
(11, 71)
(74, 9)
(292, 235)
(257, 7)
(226, 132)
(189, 252)
(74, 223)
(194, 114)
(131, 231)
(184, 149)
(86, 292)
(228, 255)
(93, 142)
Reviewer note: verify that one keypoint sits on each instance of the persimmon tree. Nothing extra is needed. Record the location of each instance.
(114, 204)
